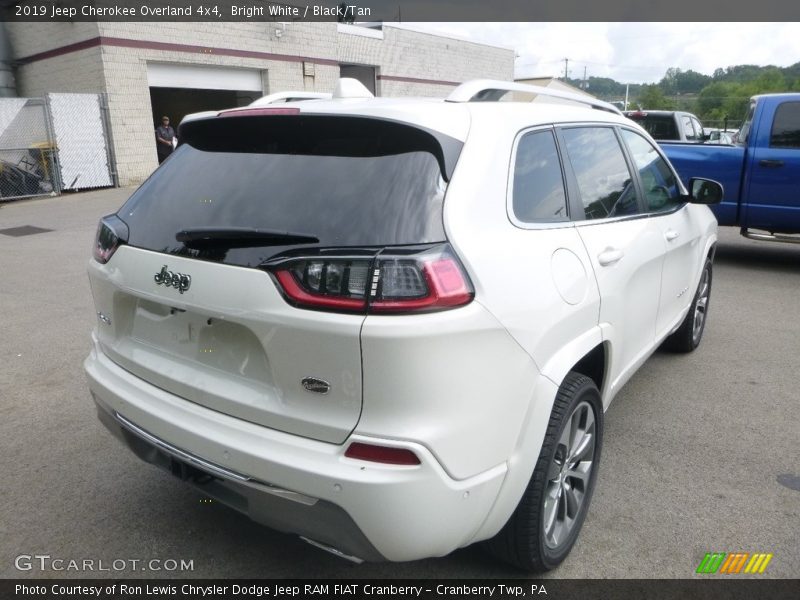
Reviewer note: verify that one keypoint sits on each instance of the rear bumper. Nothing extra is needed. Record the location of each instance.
(294, 484)
(275, 507)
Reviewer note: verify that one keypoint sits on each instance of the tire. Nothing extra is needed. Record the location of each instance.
(527, 541)
(688, 335)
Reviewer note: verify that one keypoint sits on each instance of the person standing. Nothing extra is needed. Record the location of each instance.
(164, 135)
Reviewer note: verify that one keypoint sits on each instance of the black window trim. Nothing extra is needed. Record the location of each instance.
(575, 210)
(633, 172)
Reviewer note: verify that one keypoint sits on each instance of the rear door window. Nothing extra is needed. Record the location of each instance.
(660, 127)
(348, 182)
(606, 186)
(786, 126)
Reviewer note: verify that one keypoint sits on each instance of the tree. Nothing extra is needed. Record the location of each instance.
(651, 97)
(721, 100)
(691, 82)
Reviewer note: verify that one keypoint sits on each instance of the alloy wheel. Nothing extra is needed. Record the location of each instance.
(701, 307)
(569, 475)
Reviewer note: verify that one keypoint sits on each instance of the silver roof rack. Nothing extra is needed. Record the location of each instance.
(289, 97)
(491, 90)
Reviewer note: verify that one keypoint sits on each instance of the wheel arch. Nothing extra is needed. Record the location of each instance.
(594, 364)
(588, 355)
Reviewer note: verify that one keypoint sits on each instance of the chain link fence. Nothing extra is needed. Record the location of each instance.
(28, 156)
(82, 135)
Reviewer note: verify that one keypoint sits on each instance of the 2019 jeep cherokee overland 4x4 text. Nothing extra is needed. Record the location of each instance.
(392, 326)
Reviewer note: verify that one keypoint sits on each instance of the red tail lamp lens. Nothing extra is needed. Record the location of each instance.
(112, 232)
(446, 287)
(381, 454)
(303, 297)
(393, 282)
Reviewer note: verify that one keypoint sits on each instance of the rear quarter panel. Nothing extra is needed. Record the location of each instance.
(512, 268)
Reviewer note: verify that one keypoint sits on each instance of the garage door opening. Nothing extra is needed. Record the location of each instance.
(176, 103)
(178, 90)
(366, 75)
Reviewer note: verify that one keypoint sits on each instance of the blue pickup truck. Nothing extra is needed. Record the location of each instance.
(760, 172)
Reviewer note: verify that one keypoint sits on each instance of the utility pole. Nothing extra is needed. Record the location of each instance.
(627, 85)
(583, 85)
(566, 69)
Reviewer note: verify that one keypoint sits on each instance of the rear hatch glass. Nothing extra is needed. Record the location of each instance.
(345, 181)
(660, 127)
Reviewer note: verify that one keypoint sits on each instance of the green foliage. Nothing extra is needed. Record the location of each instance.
(725, 94)
(676, 81)
(720, 100)
(651, 97)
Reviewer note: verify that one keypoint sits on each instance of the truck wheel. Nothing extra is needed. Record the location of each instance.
(543, 528)
(687, 337)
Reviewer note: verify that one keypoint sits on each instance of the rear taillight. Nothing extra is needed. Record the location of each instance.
(395, 281)
(381, 454)
(112, 232)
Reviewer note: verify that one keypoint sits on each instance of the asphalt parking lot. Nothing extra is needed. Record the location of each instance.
(701, 451)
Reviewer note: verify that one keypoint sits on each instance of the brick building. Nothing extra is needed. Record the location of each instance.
(150, 69)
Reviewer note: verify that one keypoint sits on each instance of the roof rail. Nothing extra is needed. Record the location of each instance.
(491, 90)
(289, 97)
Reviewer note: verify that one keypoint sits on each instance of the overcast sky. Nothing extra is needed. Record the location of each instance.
(634, 52)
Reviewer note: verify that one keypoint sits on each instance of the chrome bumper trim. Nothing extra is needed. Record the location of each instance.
(332, 550)
(211, 468)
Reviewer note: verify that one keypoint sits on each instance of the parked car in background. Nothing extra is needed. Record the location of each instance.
(760, 173)
(669, 125)
(392, 326)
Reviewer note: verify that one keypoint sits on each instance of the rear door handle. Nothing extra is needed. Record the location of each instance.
(609, 256)
(671, 234)
(771, 164)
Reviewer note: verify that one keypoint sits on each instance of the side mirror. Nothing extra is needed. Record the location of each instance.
(704, 191)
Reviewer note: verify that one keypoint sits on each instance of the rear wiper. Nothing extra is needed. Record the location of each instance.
(240, 237)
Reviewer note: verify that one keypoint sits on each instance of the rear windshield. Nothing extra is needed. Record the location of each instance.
(660, 127)
(348, 182)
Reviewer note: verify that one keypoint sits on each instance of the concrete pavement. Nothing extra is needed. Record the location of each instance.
(696, 446)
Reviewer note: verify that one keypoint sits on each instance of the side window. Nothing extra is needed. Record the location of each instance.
(744, 131)
(538, 193)
(605, 184)
(661, 190)
(786, 127)
(688, 130)
(698, 129)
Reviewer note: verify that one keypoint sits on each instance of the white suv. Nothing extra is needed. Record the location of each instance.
(392, 326)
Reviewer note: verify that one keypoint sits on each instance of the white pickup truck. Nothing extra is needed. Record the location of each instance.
(672, 125)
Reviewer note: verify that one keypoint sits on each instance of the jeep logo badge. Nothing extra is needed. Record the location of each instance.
(177, 280)
(317, 386)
